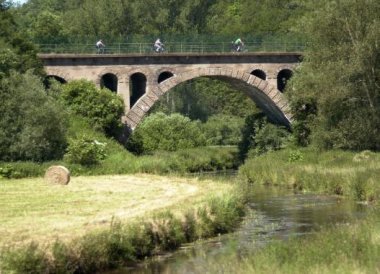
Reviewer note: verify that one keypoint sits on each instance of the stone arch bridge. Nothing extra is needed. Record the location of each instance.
(141, 80)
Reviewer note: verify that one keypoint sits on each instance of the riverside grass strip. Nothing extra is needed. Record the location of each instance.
(335, 172)
(171, 211)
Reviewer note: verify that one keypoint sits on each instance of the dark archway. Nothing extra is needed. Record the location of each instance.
(109, 81)
(259, 73)
(137, 87)
(164, 75)
(49, 78)
(282, 78)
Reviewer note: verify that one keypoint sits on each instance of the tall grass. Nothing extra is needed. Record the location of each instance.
(333, 172)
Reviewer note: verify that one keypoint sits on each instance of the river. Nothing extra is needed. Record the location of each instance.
(274, 213)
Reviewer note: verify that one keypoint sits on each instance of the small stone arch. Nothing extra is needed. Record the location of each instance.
(283, 77)
(57, 78)
(110, 81)
(164, 75)
(137, 86)
(271, 100)
(259, 73)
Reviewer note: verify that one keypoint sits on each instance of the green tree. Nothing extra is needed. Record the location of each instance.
(32, 124)
(338, 84)
(16, 52)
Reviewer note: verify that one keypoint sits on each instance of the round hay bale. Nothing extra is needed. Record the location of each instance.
(57, 175)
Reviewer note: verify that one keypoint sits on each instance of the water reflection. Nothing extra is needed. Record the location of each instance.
(275, 214)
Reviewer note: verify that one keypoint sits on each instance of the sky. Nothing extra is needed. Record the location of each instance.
(19, 1)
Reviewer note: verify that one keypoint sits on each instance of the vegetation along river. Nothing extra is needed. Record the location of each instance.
(275, 213)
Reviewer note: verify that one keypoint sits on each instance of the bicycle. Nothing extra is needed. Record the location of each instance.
(158, 49)
(237, 47)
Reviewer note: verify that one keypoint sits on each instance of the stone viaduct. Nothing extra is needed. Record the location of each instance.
(142, 79)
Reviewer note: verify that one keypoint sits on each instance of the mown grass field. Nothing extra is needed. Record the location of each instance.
(33, 210)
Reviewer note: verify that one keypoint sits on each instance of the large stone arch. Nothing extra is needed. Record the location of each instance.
(267, 97)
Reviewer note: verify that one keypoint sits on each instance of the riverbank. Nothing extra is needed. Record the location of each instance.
(342, 248)
(103, 222)
(334, 172)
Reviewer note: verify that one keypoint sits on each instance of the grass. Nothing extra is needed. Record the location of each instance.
(104, 222)
(32, 210)
(344, 248)
(336, 172)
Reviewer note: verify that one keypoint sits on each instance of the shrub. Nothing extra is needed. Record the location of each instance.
(101, 107)
(166, 132)
(85, 151)
(29, 259)
(223, 130)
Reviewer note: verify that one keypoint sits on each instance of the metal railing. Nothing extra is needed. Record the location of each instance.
(171, 47)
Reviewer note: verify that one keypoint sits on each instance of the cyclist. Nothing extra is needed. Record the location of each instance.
(100, 46)
(158, 46)
(238, 44)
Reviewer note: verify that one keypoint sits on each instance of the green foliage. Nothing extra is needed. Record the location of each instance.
(101, 107)
(295, 156)
(166, 132)
(105, 250)
(47, 28)
(245, 16)
(27, 133)
(166, 231)
(191, 160)
(223, 130)
(199, 99)
(17, 53)
(7, 171)
(268, 137)
(85, 151)
(30, 259)
(334, 172)
(338, 82)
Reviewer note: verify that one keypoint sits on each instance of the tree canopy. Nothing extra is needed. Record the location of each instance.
(336, 92)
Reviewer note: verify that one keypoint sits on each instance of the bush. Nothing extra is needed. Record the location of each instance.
(223, 130)
(85, 151)
(260, 136)
(101, 107)
(268, 137)
(166, 132)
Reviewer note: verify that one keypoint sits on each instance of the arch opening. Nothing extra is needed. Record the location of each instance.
(49, 78)
(137, 87)
(109, 81)
(164, 75)
(282, 79)
(259, 73)
(56, 78)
